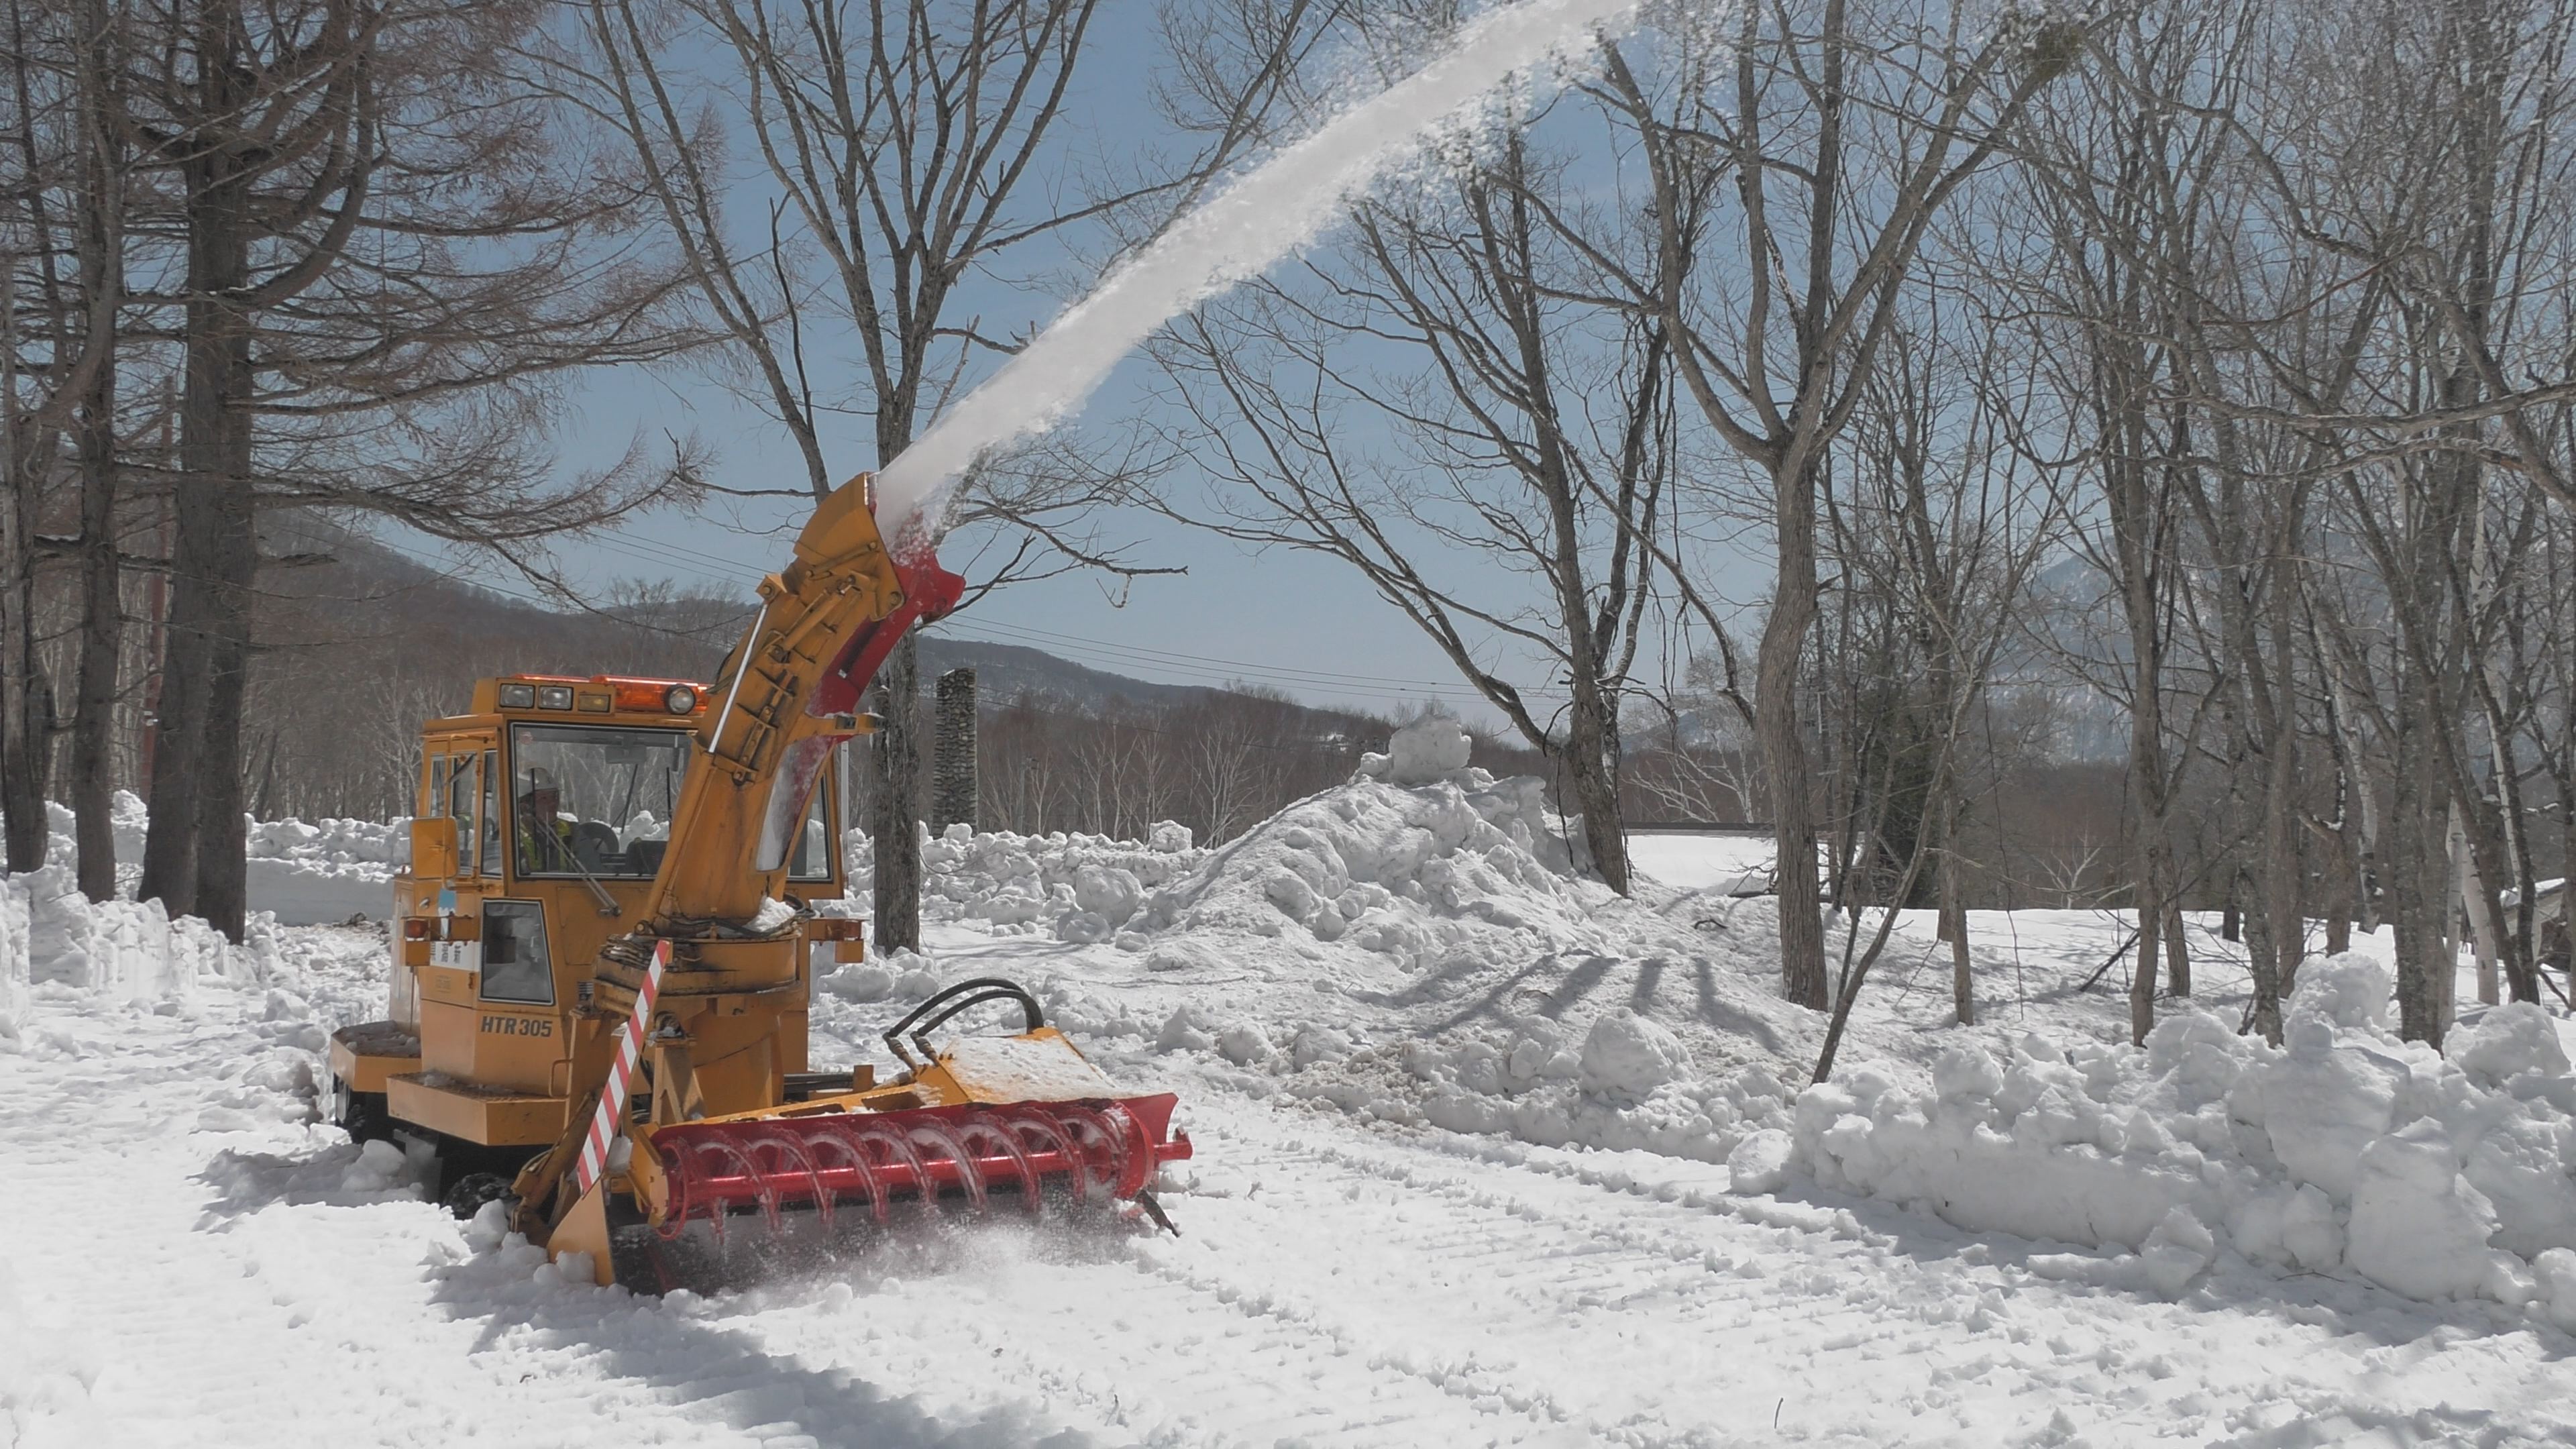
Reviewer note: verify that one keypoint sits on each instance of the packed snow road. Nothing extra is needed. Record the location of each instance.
(192, 1262)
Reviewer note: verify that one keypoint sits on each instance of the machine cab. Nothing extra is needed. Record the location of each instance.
(543, 818)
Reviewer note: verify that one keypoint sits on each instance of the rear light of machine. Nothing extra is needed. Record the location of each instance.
(554, 696)
(518, 696)
(835, 928)
(416, 928)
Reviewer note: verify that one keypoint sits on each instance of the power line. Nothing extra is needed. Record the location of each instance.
(1327, 675)
(1113, 658)
(1192, 669)
(1136, 653)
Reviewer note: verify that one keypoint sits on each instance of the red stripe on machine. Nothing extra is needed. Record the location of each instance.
(604, 1124)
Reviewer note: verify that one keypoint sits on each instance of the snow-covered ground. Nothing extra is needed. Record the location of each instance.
(1485, 1155)
(1721, 860)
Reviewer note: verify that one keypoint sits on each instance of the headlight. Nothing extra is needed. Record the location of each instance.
(555, 696)
(518, 696)
(681, 699)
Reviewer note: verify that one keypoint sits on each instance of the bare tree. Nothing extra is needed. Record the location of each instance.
(1530, 432)
(379, 250)
(1841, 145)
(909, 147)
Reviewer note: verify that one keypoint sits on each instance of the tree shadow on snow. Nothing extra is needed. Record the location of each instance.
(1545, 987)
(1725, 1016)
(685, 1352)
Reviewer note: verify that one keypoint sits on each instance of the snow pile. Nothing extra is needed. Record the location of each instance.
(1415, 946)
(1625, 1083)
(1468, 867)
(1079, 887)
(329, 842)
(2346, 1148)
(307, 872)
(315, 872)
(53, 938)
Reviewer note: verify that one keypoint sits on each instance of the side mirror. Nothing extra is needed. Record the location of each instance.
(433, 848)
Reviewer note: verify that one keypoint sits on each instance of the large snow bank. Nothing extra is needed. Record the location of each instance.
(1423, 952)
(305, 872)
(1413, 873)
(55, 940)
(1075, 886)
(1469, 866)
(2344, 1149)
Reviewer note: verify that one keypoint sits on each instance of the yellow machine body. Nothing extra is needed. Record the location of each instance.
(568, 827)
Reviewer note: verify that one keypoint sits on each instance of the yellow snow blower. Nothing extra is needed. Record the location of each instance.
(603, 958)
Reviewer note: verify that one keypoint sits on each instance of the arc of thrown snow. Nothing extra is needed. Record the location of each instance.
(1272, 212)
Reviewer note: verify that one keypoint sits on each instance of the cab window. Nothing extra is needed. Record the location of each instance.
(594, 800)
(461, 797)
(812, 861)
(491, 836)
(515, 964)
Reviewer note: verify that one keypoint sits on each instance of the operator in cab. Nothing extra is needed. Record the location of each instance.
(545, 837)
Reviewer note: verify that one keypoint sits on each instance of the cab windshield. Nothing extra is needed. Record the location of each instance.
(595, 800)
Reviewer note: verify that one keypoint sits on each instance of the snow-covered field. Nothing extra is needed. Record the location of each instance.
(1485, 1155)
(1703, 860)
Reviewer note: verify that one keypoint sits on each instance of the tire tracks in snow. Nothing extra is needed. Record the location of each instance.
(1988, 1338)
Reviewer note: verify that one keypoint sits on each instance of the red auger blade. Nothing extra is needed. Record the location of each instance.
(1108, 1148)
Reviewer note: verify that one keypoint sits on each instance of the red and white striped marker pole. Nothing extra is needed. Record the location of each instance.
(609, 1121)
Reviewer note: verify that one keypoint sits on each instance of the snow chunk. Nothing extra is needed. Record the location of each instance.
(1108, 892)
(1186, 1029)
(2326, 1101)
(379, 1166)
(2350, 990)
(2176, 1252)
(2508, 1041)
(1626, 1053)
(2417, 1225)
(1760, 1163)
(1425, 752)
(1244, 1044)
(2556, 1272)
(860, 981)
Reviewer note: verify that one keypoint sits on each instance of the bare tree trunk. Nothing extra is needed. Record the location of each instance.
(93, 765)
(26, 695)
(1784, 743)
(2416, 878)
(2142, 977)
(895, 818)
(1591, 766)
(196, 830)
(1954, 917)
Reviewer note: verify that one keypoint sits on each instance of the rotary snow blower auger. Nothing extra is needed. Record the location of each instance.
(601, 975)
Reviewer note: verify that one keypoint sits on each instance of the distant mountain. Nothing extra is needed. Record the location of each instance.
(339, 566)
(1004, 672)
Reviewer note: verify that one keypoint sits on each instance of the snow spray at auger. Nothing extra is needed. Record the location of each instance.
(1272, 212)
